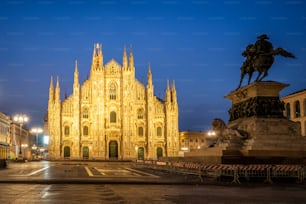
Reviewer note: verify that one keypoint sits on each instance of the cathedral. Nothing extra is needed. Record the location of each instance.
(112, 115)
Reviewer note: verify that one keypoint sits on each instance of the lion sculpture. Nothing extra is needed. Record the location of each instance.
(224, 133)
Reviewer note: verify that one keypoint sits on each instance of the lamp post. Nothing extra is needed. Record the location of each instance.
(211, 138)
(20, 119)
(36, 131)
(23, 147)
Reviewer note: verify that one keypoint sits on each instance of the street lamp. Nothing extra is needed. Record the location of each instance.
(36, 130)
(20, 119)
(23, 147)
(211, 133)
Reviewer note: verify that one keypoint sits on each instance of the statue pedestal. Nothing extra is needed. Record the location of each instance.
(257, 111)
(257, 99)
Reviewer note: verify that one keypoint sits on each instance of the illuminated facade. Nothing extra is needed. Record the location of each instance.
(4, 137)
(112, 115)
(192, 141)
(295, 108)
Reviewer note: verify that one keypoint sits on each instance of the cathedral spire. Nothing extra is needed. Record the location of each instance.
(51, 91)
(57, 91)
(124, 60)
(97, 58)
(150, 83)
(168, 93)
(100, 56)
(76, 74)
(131, 63)
(173, 93)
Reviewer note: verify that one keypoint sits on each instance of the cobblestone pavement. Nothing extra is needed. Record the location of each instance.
(125, 182)
(117, 193)
(88, 172)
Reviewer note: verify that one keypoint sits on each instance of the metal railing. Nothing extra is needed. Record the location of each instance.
(266, 172)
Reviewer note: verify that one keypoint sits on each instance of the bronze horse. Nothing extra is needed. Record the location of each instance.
(260, 61)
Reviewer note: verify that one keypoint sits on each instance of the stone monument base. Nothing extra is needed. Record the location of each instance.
(257, 113)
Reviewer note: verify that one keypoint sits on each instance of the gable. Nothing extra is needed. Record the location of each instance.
(112, 67)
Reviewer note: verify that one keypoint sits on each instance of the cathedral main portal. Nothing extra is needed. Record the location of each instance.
(113, 150)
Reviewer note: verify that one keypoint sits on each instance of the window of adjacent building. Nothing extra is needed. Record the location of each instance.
(113, 117)
(85, 130)
(297, 109)
(66, 130)
(159, 131)
(140, 113)
(288, 112)
(140, 131)
(85, 113)
(304, 107)
(112, 92)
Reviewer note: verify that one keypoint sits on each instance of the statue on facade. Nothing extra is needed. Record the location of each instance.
(260, 57)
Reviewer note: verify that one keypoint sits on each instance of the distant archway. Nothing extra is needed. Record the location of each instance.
(159, 152)
(141, 153)
(113, 150)
(288, 111)
(66, 152)
(297, 109)
(85, 152)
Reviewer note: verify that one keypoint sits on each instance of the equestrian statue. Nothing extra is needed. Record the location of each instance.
(260, 57)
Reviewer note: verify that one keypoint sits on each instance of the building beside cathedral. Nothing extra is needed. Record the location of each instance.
(112, 115)
(295, 108)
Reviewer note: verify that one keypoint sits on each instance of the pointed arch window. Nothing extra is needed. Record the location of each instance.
(140, 131)
(159, 131)
(66, 130)
(112, 91)
(85, 113)
(140, 113)
(113, 117)
(85, 130)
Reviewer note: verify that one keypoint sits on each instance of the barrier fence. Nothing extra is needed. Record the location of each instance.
(267, 172)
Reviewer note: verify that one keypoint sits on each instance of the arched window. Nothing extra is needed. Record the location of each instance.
(297, 109)
(140, 113)
(113, 117)
(85, 130)
(112, 91)
(85, 113)
(288, 112)
(66, 130)
(140, 131)
(159, 131)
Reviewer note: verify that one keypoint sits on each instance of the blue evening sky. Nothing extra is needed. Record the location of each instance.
(196, 43)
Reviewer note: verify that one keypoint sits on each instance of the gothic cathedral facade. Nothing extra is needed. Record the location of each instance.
(112, 115)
